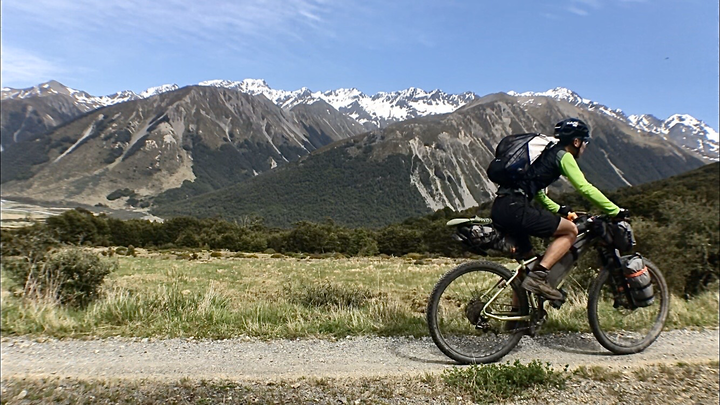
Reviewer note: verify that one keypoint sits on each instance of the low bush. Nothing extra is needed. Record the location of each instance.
(497, 382)
(67, 276)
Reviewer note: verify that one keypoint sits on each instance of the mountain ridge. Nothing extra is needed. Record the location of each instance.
(384, 108)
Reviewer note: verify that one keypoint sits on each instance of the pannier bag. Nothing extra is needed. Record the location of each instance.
(638, 280)
(513, 157)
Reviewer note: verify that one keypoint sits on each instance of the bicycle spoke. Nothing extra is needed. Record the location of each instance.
(623, 328)
(461, 326)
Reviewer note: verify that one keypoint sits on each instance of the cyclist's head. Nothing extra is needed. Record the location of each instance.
(572, 128)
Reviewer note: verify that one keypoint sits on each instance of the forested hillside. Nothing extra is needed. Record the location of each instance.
(675, 220)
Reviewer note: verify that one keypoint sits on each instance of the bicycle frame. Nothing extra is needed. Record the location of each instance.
(580, 244)
(516, 274)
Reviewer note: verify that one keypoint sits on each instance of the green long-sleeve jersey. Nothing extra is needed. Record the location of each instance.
(570, 169)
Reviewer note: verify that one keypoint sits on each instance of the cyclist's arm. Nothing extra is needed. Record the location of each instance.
(546, 202)
(571, 170)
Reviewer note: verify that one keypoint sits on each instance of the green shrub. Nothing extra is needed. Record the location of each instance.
(684, 243)
(67, 276)
(496, 382)
(30, 241)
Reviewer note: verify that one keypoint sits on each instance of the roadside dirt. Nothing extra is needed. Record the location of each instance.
(356, 357)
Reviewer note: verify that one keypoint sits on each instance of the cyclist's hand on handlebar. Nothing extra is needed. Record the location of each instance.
(623, 214)
(567, 213)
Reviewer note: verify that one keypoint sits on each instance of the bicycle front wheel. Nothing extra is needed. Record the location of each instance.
(618, 326)
(461, 313)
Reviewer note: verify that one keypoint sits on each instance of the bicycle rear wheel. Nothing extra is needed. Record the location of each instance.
(454, 313)
(619, 328)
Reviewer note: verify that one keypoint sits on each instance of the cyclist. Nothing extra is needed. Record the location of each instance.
(514, 211)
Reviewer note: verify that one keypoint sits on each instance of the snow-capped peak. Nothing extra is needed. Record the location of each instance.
(681, 129)
(692, 122)
(558, 93)
(153, 91)
(564, 94)
(43, 89)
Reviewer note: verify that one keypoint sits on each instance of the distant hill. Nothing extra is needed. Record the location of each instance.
(701, 184)
(643, 200)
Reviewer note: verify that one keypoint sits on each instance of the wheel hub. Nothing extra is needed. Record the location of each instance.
(473, 310)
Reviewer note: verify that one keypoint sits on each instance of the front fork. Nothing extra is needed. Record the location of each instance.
(613, 264)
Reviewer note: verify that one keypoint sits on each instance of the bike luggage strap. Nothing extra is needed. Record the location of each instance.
(504, 191)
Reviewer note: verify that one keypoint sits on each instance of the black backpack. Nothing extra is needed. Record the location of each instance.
(513, 157)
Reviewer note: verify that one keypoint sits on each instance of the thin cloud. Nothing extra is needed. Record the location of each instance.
(578, 11)
(177, 20)
(23, 68)
(583, 7)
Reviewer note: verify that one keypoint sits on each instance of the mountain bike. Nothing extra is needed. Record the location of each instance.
(478, 312)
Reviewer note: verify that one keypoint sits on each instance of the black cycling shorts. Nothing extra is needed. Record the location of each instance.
(520, 218)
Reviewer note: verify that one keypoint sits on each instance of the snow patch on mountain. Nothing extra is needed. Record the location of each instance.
(561, 93)
(154, 91)
(374, 111)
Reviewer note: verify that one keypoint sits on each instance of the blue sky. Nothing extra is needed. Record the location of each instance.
(643, 56)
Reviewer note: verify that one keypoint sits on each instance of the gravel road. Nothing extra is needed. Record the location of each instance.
(249, 359)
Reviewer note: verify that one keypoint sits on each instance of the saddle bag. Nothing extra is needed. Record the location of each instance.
(638, 280)
(481, 238)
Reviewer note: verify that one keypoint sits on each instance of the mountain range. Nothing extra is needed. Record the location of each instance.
(376, 111)
(241, 148)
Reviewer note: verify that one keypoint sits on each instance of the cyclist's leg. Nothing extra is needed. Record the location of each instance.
(542, 223)
(565, 236)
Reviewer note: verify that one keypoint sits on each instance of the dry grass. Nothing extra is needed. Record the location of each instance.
(158, 295)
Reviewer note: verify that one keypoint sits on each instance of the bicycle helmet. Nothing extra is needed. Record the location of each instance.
(571, 128)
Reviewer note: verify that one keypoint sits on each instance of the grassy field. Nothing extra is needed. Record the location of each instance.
(221, 295)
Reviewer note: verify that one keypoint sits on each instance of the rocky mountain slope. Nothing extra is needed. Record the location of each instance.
(190, 141)
(419, 165)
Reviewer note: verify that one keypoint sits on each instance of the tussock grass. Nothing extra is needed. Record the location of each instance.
(697, 312)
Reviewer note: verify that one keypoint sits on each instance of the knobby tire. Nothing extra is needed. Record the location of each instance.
(624, 331)
(451, 306)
